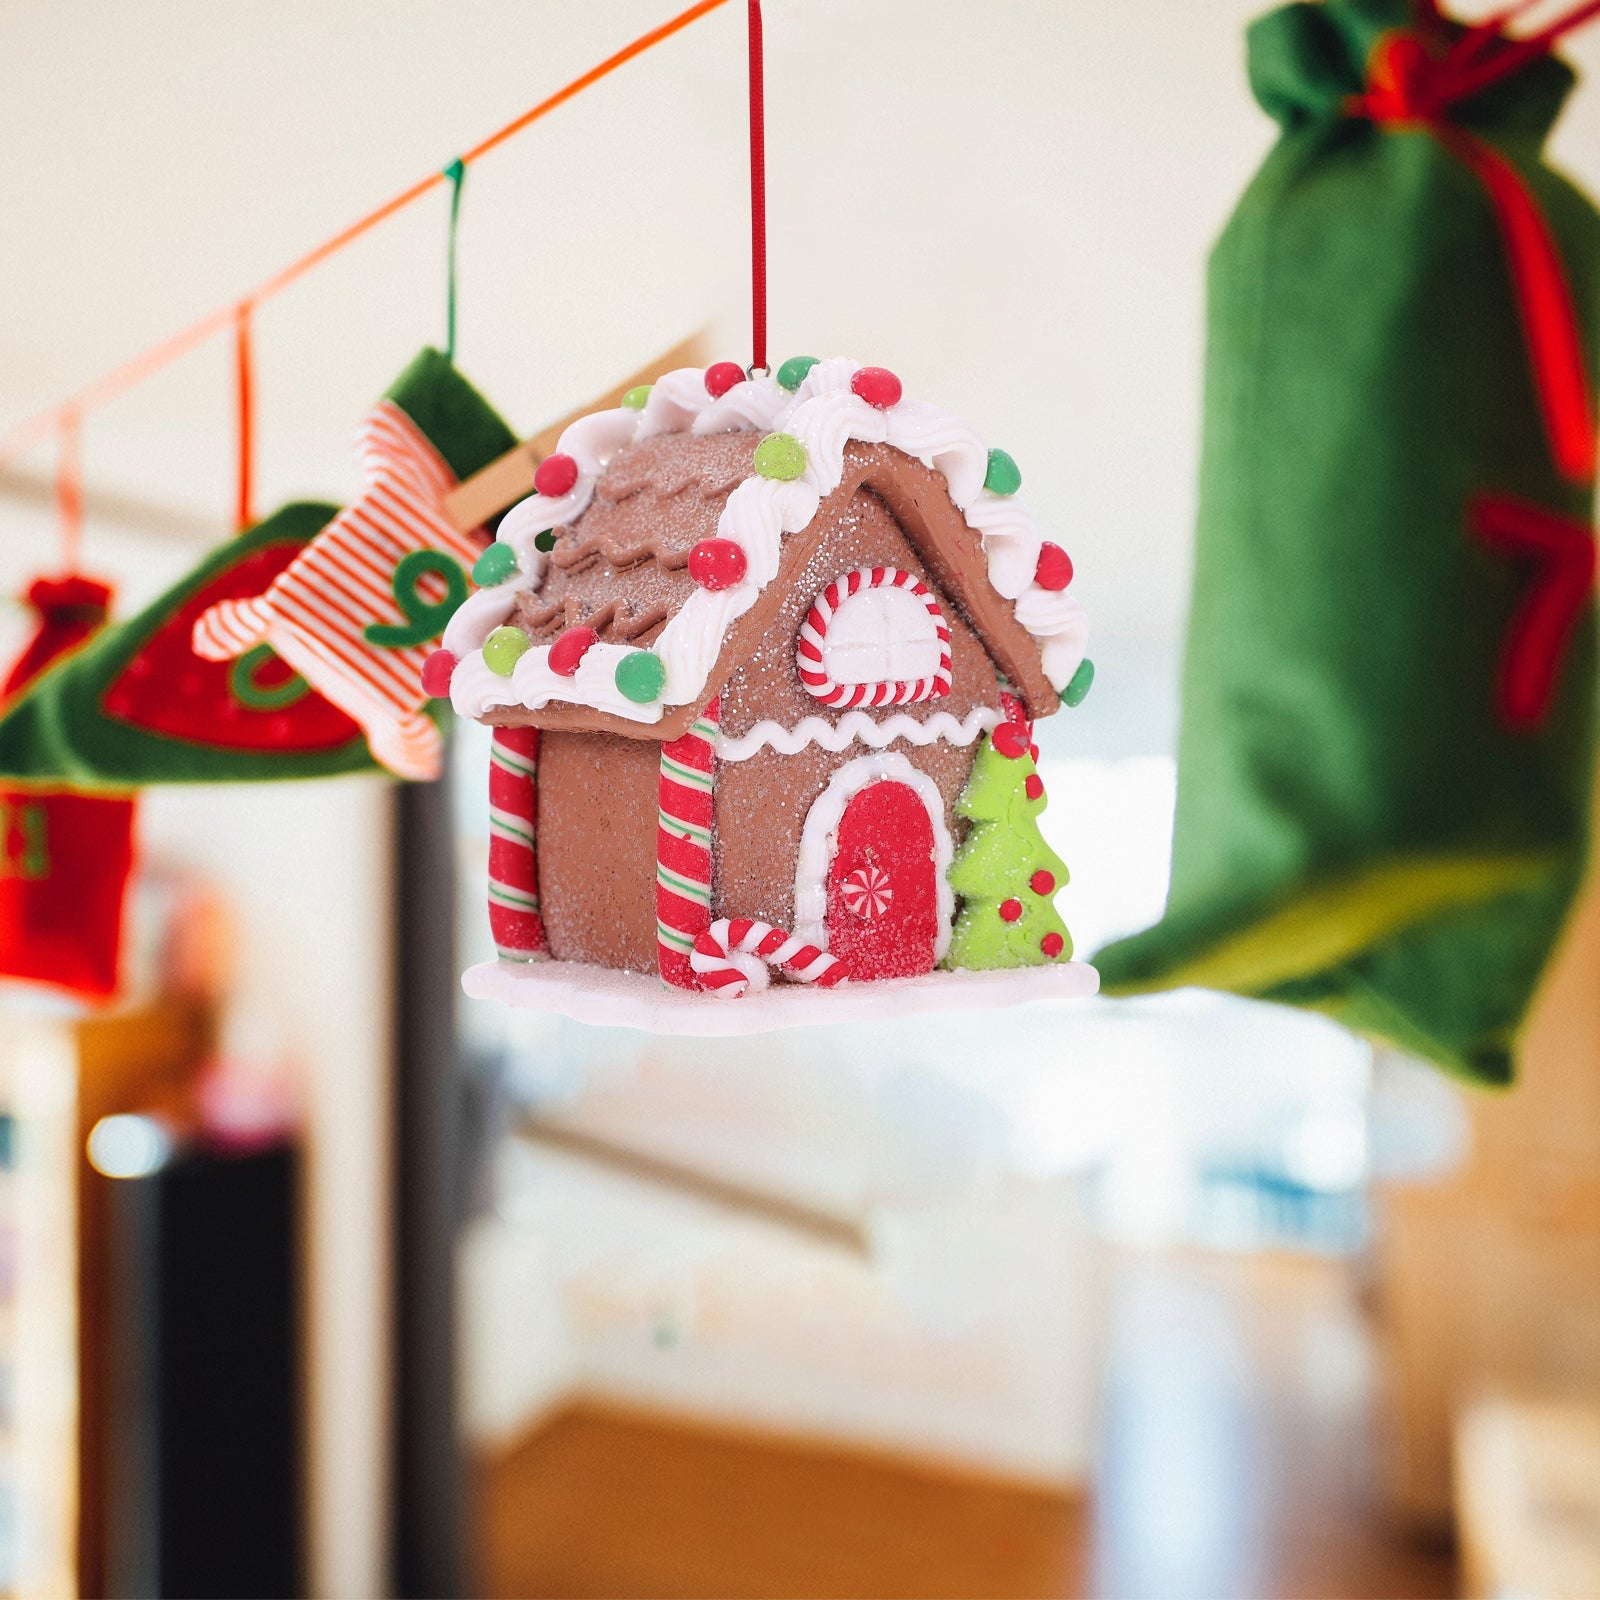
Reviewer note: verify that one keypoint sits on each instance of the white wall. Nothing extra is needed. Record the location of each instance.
(1009, 203)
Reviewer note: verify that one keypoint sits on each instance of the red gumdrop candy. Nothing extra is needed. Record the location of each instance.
(1033, 786)
(1042, 882)
(1054, 570)
(717, 563)
(1010, 740)
(437, 671)
(878, 386)
(555, 476)
(1010, 910)
(570, 649)
(721, 377)
(1052, 944)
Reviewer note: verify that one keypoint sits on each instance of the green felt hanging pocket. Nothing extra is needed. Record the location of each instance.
(1363, 826)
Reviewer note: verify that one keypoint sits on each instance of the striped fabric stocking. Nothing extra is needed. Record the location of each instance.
(358, 610)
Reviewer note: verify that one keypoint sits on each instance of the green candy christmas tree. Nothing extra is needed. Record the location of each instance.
(1005, 873)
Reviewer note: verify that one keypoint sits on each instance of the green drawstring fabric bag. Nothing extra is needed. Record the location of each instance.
(1386, 751)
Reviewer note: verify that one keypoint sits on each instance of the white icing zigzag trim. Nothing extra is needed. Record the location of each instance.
(819, 841)
(872, 731)
(825, 415)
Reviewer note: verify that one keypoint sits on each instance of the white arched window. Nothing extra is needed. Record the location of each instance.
(875, 637)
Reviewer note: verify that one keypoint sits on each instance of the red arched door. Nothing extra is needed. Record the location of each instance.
(883, 889)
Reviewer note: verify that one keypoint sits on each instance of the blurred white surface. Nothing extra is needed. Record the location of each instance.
(963, 1332)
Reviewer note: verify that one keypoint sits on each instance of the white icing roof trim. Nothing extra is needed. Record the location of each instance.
(825, 415)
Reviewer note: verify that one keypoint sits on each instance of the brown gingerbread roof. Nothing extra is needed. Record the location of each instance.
(622, 567)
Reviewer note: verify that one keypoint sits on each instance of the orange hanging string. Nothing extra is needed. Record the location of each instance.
(148, 362)
(245, 392)
(69, 488)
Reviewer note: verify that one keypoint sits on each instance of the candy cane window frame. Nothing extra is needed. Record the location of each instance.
(883, 609)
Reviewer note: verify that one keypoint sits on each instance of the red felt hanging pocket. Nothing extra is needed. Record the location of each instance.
(65, 858)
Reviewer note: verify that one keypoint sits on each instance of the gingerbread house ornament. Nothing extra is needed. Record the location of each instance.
(762, 656)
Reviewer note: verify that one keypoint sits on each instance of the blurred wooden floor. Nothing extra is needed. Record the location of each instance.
(1237, 1456)
(603, 1503)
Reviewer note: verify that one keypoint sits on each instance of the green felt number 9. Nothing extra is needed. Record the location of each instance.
(425, 619)
(245, 685)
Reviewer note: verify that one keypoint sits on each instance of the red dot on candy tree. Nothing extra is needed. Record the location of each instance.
(717, 564)
(437, 671)
(721, 377)
(1052, 944)
(1009, 740)
(1033, 750)
(1054, 569)
(1033, 787)
(1042, 882)
(570, 649)
(878, 386)
(555, 476)
(1010, 910)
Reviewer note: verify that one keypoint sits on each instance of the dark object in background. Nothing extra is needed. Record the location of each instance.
(204, 1491)
(433, 1150)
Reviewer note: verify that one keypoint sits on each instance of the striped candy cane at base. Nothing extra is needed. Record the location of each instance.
(683, 846)
(716, 952)
(514, 918)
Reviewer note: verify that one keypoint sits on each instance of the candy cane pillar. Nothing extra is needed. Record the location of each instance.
(514, 918)
(683, 846)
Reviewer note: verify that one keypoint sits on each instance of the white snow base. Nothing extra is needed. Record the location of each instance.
(610, 998)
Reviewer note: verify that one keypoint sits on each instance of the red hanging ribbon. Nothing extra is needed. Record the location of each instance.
(245, 393)
(1407, 87)
(758, 195)
(1536, 641)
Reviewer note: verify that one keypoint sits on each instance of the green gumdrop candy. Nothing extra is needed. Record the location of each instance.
(793, 372)
(504, 648)
(635, 398)
(780, 456)
(640, 676)
(1004, 476)
(1077, 691)
(495, 565)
